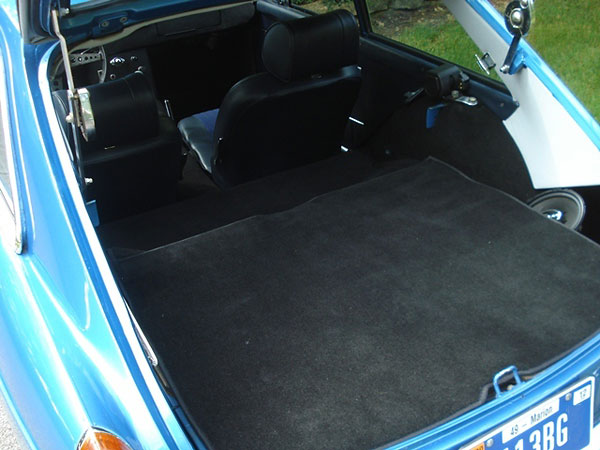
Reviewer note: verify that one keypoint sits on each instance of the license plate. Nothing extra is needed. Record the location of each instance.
(562, 422)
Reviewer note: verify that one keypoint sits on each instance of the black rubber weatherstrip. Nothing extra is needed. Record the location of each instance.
(365, 314)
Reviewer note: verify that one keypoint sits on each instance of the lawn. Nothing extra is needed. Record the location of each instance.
(446, 39)
(565, 33)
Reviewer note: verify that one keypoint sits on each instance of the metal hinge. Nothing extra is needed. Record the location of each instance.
(485, 62)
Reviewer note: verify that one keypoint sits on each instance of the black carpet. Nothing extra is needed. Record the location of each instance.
(210, 208)
(363, 315)
(472, 139)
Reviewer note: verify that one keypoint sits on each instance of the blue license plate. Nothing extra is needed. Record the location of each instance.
(563, 422)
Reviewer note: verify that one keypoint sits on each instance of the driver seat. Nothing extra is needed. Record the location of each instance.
(293, 114)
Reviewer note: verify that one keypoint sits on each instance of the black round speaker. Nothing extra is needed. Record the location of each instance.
(562, 205)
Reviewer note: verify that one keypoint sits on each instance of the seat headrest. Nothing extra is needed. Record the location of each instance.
(313, 45)
(124, 110)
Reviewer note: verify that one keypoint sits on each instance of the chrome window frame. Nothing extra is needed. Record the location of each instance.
(11, 199)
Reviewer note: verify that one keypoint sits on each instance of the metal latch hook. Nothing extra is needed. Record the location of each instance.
(502, 373)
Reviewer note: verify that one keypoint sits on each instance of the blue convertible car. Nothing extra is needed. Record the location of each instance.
(269, 224)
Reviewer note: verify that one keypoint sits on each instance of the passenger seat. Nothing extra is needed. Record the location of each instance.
(293, 114)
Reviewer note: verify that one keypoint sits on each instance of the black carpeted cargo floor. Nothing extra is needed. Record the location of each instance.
(365, 314)
(212, 208)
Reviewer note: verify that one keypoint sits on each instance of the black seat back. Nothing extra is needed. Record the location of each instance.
(134, 158)
(295, 113)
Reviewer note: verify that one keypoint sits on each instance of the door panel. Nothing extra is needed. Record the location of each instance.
(473, 139)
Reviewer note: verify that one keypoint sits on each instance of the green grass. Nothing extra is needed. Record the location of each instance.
(447, 40)
(565, 33)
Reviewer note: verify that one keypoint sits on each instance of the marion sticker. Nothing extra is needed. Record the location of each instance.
(530, 419)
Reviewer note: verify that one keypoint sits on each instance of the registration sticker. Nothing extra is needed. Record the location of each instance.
(563, 422)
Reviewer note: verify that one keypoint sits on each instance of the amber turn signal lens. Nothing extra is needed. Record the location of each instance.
(95, 439)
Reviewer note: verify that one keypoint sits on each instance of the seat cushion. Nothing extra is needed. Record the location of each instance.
(197, 132)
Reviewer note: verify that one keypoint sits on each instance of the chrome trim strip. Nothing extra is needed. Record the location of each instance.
(143, 339)
(12, 198)
(356, 121)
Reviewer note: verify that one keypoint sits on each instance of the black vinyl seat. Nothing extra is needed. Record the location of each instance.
(293, 114)
(135, 157)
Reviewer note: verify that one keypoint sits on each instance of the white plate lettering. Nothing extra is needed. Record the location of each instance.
(582, 395)
(531, 418)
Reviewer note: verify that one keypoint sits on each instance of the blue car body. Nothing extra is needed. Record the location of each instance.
(64, 368)
(70, 358)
